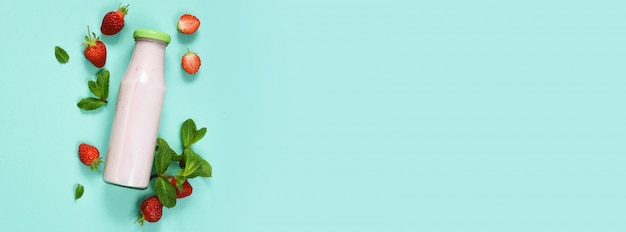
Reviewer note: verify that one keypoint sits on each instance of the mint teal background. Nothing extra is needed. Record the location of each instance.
(335, 115)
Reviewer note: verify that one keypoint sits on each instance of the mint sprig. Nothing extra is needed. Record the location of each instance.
(99, 88)
(192, 164)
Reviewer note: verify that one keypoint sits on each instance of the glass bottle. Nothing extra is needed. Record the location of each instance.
(132, 143)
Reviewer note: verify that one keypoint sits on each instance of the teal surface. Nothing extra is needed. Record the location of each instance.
(335, 115)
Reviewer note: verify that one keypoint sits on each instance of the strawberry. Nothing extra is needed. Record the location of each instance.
(113, 22)
(95, 50)
(89, 155)
(187, 189)
(191, 62)
(151, 210)
(188, 24)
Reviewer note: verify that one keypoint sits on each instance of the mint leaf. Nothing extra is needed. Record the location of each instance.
(188, 132)
(191, 162)
(173, 155)
(179, 181)
(103, 81)
(204, 170)
(79, 191)
(191, 167)
(61, 55)
(176, 157)
(162, 159)
(195, 165)
(100, 88)
(166, 192)
(90, 103)
(94, 88)
(199, 135)
(188, 155)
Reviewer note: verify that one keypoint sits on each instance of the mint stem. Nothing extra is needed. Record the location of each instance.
(160, 175)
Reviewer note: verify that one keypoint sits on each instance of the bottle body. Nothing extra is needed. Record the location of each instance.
(135, 126)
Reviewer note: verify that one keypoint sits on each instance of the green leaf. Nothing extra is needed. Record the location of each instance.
(79, 191)
(95, 88)
(204, 170)
(166, 192)
(173, 155)
(188, 155)
(191, 167)
(199, 135)
(61, 55)
(188, 132)
(90, 103)
(195, 165)
(162, 159)
(179, 181)
(191, 162)
(176, 157)
(103, 81)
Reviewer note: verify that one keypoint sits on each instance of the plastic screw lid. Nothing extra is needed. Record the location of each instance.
(152, 34)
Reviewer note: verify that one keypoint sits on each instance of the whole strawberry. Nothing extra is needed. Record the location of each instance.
(187, 189)
(113, 22)
(151, 210)
(95, 50)
(191, 62)
(89, 155)
(188, 24)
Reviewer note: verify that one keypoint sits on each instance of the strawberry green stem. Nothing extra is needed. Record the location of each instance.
(94, 164)
(90, 39)
(141, 220)
(123, 9)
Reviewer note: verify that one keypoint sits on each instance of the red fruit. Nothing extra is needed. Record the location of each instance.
(187, 189)
(95, 50)
(191, 62)
(113, 22)
(188, 24)
(151, 210)
(89, 155)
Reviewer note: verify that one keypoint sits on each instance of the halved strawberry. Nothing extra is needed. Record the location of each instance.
(188, 24)
(191, 62)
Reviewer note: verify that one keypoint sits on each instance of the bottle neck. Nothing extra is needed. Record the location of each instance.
(151, 40)
(149, 53)
(147, 60)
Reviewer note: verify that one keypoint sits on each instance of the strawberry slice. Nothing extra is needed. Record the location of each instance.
(191, 62)
(188, 24)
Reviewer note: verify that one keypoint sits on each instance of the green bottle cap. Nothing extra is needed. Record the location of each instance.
(152, 34)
